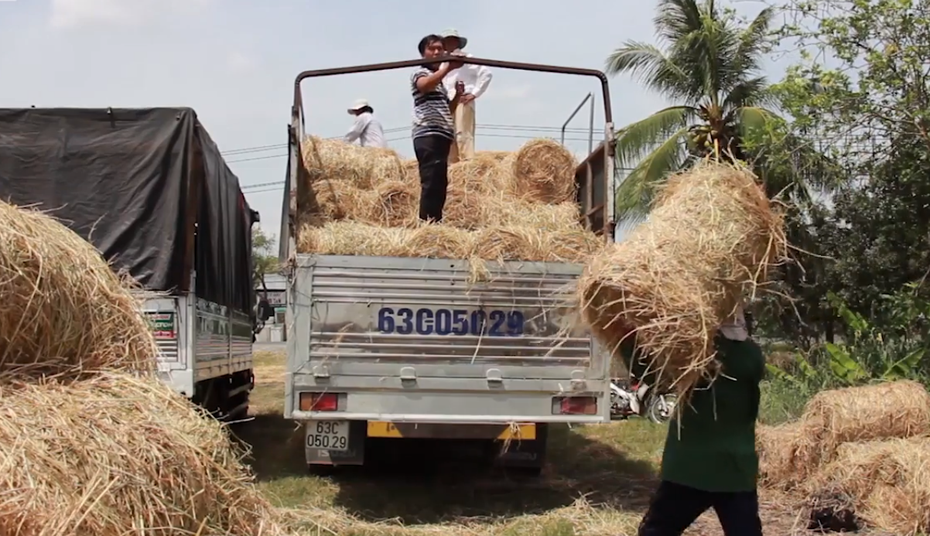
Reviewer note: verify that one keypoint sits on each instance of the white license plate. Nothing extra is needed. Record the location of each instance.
(328, 435)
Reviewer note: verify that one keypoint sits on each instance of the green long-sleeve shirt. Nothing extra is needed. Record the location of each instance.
(716, 449)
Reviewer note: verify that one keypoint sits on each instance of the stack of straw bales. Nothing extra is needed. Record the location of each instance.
(708, 242)
(866, 445)
(90, 442)
(500, 205)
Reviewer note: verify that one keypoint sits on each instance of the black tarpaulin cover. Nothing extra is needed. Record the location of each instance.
(136, 183)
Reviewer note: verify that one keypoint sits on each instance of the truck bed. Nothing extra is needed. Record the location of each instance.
(412, 340)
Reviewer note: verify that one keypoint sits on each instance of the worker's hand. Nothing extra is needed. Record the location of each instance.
(453, 65)
(466, 98)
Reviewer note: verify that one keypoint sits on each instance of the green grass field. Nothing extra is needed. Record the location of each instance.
(597, 482)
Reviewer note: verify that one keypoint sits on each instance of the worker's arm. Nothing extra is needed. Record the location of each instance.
(484, 80)
(358, 127)
(426, 81)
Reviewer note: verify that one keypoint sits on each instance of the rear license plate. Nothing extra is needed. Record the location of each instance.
(328, 435)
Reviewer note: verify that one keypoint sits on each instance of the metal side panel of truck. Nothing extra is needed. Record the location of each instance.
(384, 346)
(198, 341)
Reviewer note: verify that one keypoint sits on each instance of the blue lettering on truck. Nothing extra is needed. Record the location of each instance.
(406, 321)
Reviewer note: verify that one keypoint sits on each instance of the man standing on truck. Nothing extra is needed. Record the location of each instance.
(433, 130)
(366, 129)
(476, 79)
(710, 458)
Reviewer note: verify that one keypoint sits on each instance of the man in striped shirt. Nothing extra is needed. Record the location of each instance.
(433, 129)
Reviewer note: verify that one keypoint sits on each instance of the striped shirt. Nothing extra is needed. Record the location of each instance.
(431, 114)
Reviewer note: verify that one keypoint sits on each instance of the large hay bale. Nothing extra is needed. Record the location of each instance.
(65, 312)
(542, 170)
(784, 455)
(363, 167)
(339, 200)
(506, 212)
(476, 174)
(352, 238)
(117, 455)
(707, 243)
(886, 410)
(465, 209)
(394, 203)
(887, 483)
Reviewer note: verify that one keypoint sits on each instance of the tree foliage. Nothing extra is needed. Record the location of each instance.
(264, 259)
(710, 65)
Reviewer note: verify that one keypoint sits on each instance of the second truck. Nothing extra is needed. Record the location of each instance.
(151, 191)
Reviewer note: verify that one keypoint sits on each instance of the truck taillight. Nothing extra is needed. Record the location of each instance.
(575, 405)
(319, 401)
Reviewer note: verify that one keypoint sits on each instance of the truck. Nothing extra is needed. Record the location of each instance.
(150, 190)
(387, 347)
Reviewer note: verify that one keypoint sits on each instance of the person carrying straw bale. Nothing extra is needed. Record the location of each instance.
(474, 80)
(433, 129)
(710, 458)
(366, 128)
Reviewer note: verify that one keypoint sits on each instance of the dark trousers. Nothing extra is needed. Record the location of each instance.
(675, 507)
(433, 159)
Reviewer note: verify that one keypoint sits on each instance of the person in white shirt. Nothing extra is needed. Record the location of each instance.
(476, 79)
(366, 129)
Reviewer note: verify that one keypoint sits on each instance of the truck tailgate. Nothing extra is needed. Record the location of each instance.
(412, 339)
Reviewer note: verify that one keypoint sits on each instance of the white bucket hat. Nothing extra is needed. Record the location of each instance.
(451, 32)
(357, 105)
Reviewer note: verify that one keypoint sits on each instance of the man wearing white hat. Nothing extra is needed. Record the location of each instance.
(366, 129)
(476, 79)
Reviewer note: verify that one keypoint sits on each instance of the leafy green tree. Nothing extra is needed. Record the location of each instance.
(862, 83)
(861, 91)
(264, 260)
(710, 65)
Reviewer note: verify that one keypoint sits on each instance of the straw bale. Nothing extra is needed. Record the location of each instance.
(65, 312)
(706, 244)
(542, 170)
(785, 455)
(886, 410)
(510, 244)
(363, 167)
(507, 212)
(411, 171)
(465, 209)
(887, 482)
(339, 200)
(477, 174)
(574, 245)
(117, 455)
(439, 242)
(353, 238)
(495, 155)
(394, 203)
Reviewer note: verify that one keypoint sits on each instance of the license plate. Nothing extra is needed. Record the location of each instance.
(328, 435)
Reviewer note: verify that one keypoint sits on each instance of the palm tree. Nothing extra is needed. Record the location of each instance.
(711, 66)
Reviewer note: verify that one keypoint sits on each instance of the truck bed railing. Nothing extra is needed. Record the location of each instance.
(595, 199)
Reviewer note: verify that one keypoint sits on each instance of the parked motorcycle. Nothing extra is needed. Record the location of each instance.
(638, 399)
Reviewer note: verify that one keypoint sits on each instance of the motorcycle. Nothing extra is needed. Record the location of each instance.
(637, 398)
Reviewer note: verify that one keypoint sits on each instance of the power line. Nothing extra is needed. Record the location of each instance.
(488, 126)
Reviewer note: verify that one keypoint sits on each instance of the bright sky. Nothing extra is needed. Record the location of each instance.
(234, 62)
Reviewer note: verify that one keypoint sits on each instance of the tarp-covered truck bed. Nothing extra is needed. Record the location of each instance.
(136, 183)
(150, 189)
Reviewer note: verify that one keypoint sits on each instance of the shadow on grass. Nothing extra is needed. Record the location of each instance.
(423, 481)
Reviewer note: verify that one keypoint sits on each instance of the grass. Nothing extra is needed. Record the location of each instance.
(597, 481)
